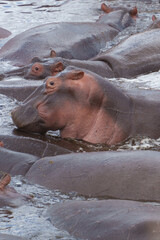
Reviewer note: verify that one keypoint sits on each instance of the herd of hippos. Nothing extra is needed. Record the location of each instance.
(76, 98)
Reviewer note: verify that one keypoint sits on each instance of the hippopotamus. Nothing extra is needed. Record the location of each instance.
(15, 163)
(1, 144)
(106, 9)
(70, 40)
(31, 145)
(155, 23)
(18, 90)
(4, 33)
(107, 219)
(137, 54)
(4, 180)
(131, 175)
(8, 195)
(83, 105)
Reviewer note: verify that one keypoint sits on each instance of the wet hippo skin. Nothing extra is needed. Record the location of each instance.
(83, 105)
(15, 163)
(30, 145)
(138, 54)
(4, 33)
(130, 175)
(10, 197)
(19, 90)
(69, 40)
(107, 219)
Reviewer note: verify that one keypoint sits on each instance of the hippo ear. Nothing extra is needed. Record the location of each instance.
(36, 59)
(133, 12)
(52, 53)
(58, 67)
(105, 8)
(154, 18)
(76, 75)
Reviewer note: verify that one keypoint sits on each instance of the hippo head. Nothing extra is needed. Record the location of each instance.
(42, 69)
(74, 102)
(38, 69)
(155, 23)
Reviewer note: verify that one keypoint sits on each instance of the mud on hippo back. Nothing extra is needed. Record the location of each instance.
(69, 40)
(85, 106)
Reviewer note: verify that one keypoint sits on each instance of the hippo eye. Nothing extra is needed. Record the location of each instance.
(51, 83)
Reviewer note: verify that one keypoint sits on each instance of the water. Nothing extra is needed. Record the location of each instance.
(29, 220)
(6, 105)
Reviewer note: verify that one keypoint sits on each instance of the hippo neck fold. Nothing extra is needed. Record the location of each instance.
(118, 109)
(109, 123)
(99, 127)
(106, 129)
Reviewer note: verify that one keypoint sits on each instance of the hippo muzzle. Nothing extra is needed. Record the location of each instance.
(27, 119)
(20, 72)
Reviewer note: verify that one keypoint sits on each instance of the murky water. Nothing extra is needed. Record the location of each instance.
(30, 220)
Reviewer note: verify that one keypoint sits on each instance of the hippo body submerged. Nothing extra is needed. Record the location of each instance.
(69, 40)
(131, 175)
(4, 33)
(117, 175)
(85, 106)
(15, 163)
(138, 54)
(107, 219)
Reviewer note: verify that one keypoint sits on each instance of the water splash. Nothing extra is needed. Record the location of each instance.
(30, 220)
(6, 105)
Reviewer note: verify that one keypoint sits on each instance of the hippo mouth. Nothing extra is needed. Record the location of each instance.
(38, 127)
(28, 121)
